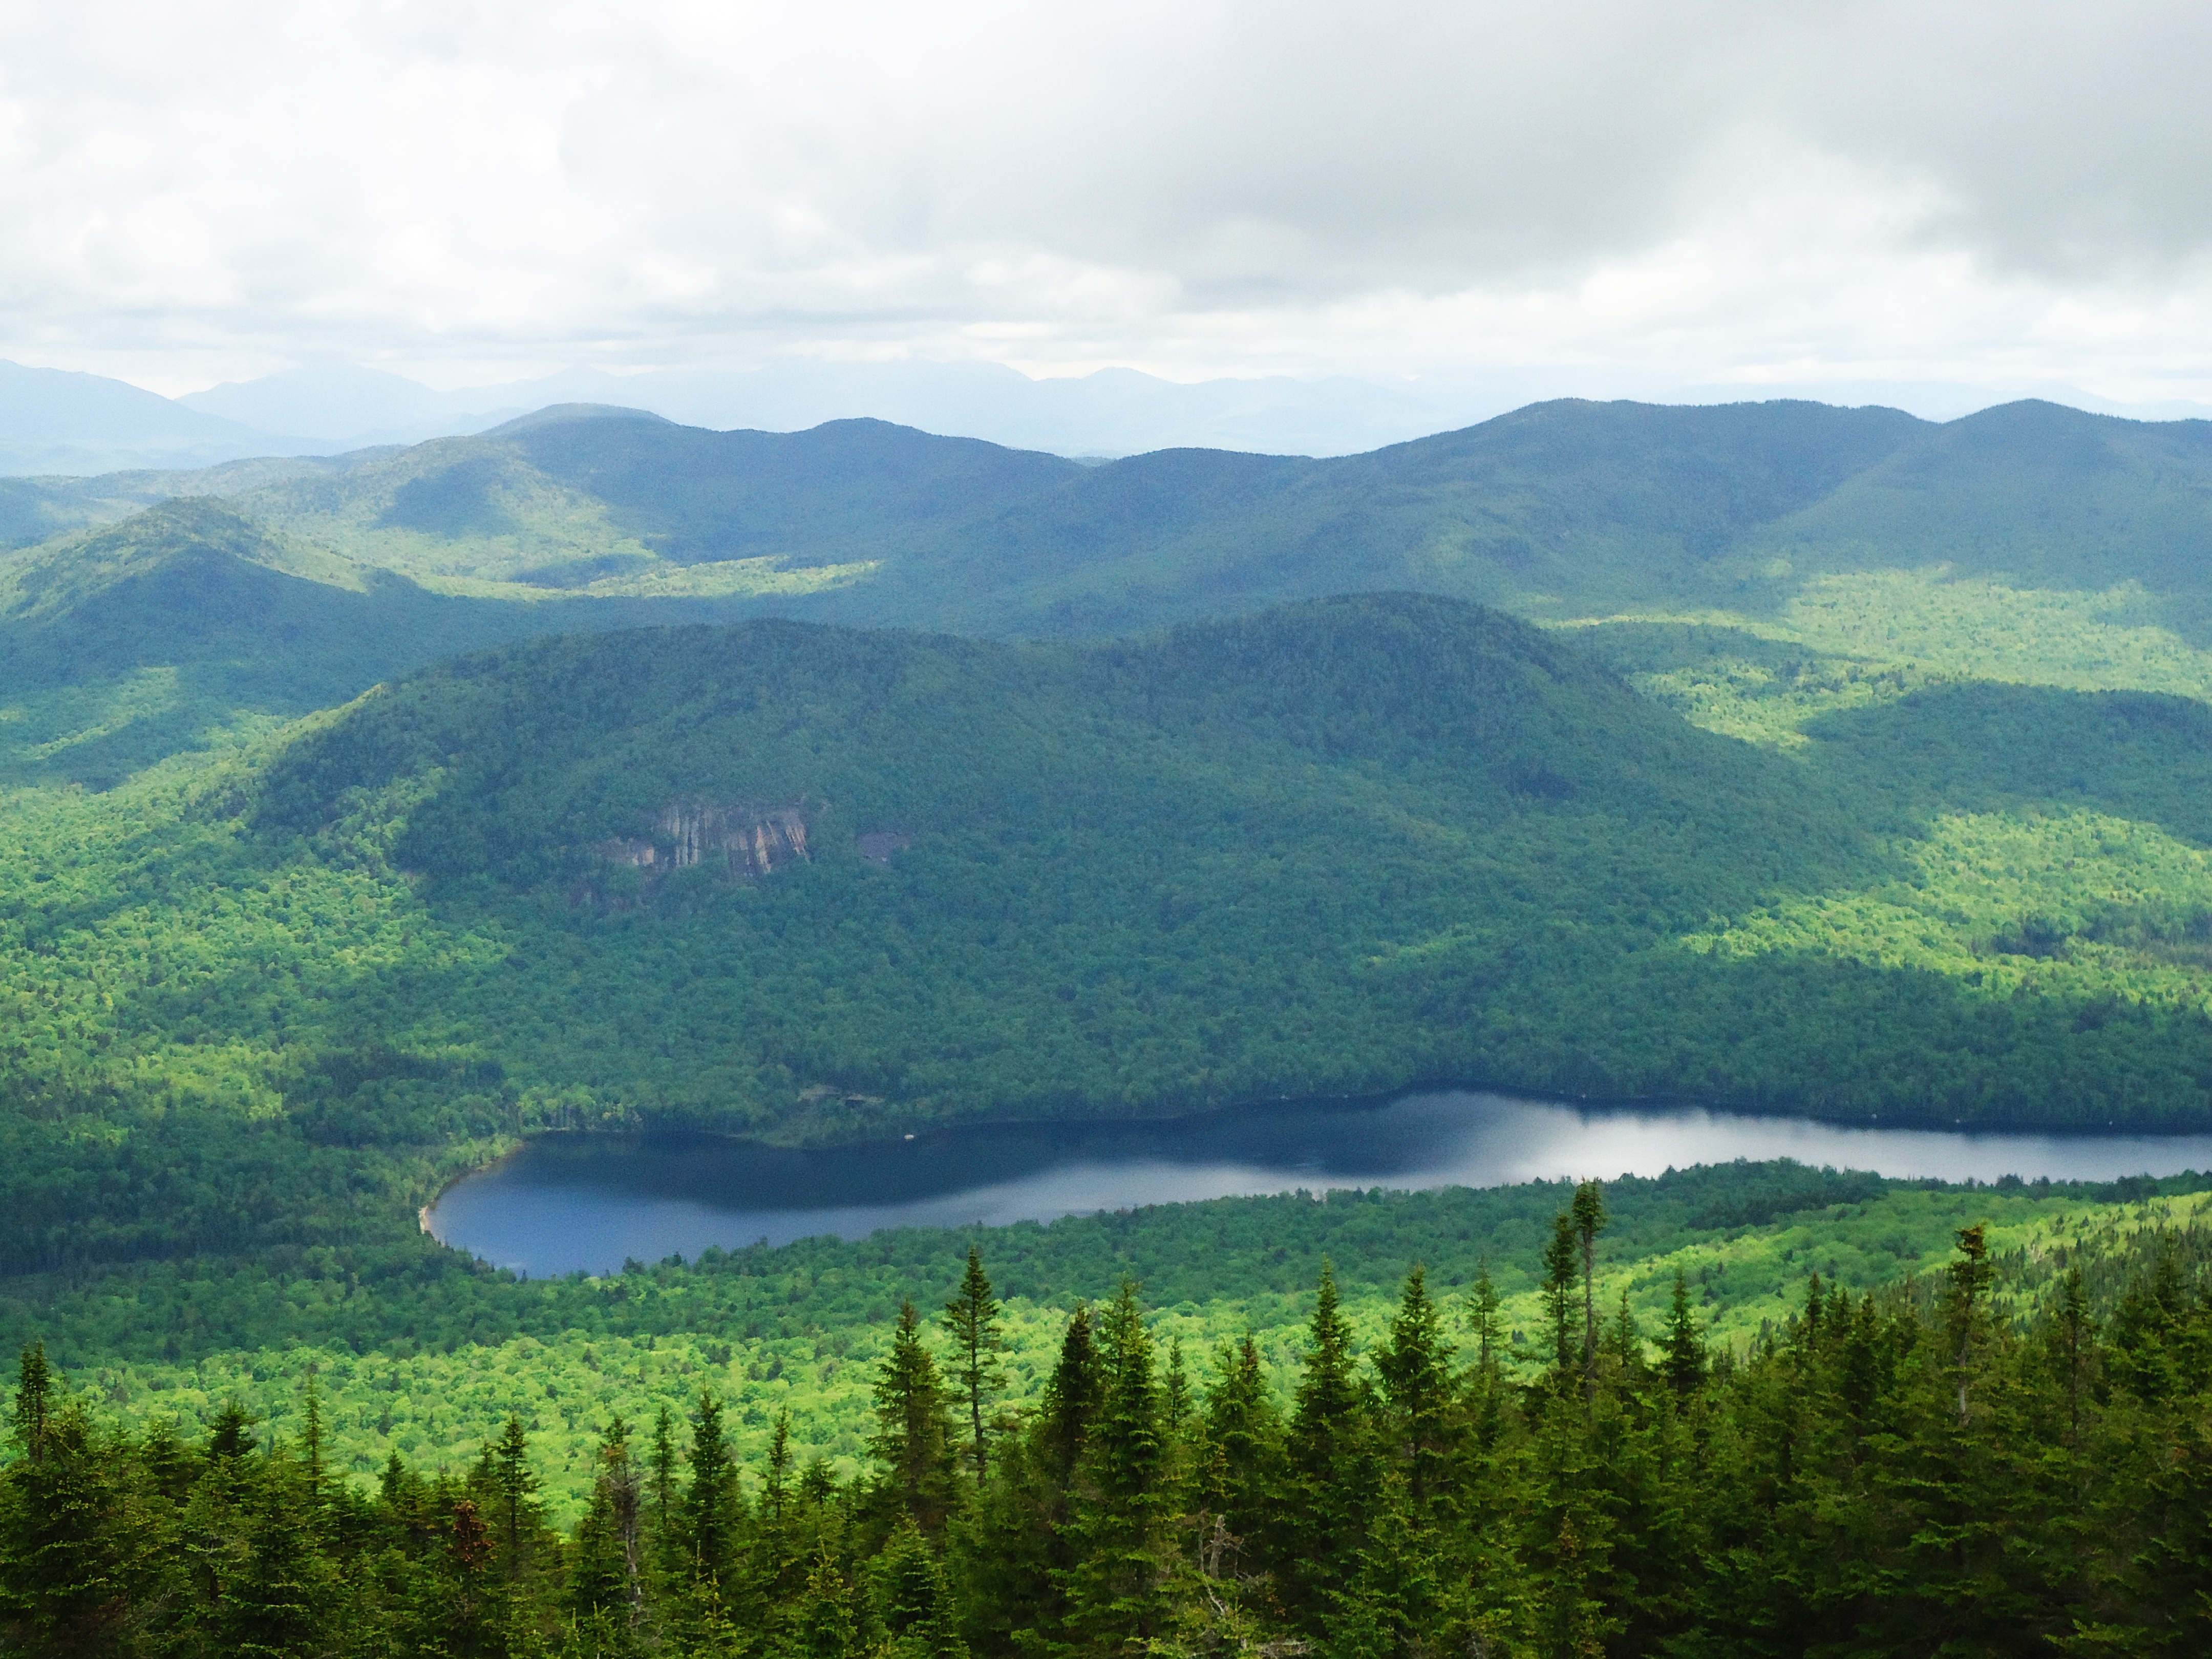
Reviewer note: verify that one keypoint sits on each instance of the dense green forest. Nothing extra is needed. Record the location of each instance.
(420, 1351)
(365, 814)
(1342, 847)
(2003, 1457)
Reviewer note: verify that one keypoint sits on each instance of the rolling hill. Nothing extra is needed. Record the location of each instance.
(1754, 566)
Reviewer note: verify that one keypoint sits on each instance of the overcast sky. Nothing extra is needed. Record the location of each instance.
(1700, 191)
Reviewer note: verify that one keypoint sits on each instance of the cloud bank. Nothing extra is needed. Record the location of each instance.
(1725, 192)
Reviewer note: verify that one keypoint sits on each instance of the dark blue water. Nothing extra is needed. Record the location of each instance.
(568, 1203)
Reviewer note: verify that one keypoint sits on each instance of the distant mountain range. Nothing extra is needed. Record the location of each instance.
(57, 422)
(2029, 542)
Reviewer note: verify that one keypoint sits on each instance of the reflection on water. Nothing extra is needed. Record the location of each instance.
(568, 1203)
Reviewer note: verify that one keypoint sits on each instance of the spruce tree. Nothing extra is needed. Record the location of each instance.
(911, 1603)
(464, 1615)
(1242, 1478)
(73, 1561)
(516, 1486)
(971, 1318)
(1070, 1395)
(775, 1486)
(284, 1602)
(1684, 1360)
(311, 1442)
(1013, 1554)
(707, 1529)
(1588, 1210)
(914, 1438)
(1486, 1320)
(2073, 1337)
(1320, 1522)
(822, 1625)
(1562, 1271)
(606, 1571)
(661, 1496)
(1970, 1276)
(1624, 1346)
(1415, 1367)
(1175, 1391)
(1122, 1526)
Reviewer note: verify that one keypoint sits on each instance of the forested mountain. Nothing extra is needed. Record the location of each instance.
(821, 884)
(1753, 565)
(121, 645)
(1558, 509)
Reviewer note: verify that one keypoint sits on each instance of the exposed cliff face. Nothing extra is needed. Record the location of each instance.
(747, 840)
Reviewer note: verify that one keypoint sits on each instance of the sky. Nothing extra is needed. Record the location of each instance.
(1596, 192)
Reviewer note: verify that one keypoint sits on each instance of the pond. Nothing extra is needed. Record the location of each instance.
(564, 1203)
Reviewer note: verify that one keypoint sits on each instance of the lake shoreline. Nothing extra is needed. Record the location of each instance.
(574, 1199)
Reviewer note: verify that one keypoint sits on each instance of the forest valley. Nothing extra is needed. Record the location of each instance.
(1910, 1471)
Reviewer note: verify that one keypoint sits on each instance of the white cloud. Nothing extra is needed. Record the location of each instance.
(1709, 190)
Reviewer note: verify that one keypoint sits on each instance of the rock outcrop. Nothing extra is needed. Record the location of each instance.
(746, 839)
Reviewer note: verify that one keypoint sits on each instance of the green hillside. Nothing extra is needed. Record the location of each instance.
(189, 624)
(1557, 509)
(1601, 501)
(1753, 566)
(820, 885)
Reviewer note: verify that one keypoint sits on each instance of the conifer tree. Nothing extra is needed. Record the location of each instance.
(1970, 1278)
(1015, 1554)
(1393, 1604)
(511, 1479)
(914, 1438)
(606, 1570)
(1562, 1271)
(1320, 1523)
(1486, 1321)
(778, 1552)
(707, 1529)
(1070, 1395)
(911, 1600)
(1589, 1216)
(231, 1439)
(775, 1486)
(1244, 1432)
(661, 1495)
(1624, 1346)
(468, 1622)
(971, 1318)
(283, 1603)
(311, 1442)
(72, 1568)
(1684, 1362)
(1415, 1367)
(1175, 1391)
(1118, 1591)
(823, 1625)
(2072, 1338)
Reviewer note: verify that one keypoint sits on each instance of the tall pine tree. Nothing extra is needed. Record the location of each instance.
(971, 1319)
